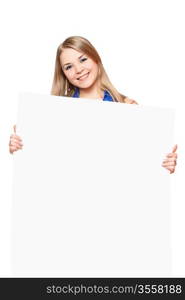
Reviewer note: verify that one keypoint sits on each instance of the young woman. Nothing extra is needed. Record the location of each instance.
(79, 72)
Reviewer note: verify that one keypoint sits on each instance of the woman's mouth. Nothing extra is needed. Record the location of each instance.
(83, 77)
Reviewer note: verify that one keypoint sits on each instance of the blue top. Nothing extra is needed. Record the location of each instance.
(106, 97)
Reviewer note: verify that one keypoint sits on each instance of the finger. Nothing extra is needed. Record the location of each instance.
(16, 137)
(172, 155)
(13, 149)
(172, 170)
(169, 159)
(132, 101)
(14, 128)
(172, 163)
(169, 163)
(173, 152)
(16, 145)
(16, 140)
(174, 148)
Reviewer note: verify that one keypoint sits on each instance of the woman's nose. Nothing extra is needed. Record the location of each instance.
(79, 68)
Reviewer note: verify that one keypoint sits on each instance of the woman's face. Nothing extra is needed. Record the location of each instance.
(80, 70)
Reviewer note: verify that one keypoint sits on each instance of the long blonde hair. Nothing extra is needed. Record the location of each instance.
(61, 85)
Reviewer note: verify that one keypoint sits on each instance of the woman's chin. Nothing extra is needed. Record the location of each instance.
(85, 85)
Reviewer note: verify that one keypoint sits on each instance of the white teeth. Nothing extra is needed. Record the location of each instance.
(83, 77)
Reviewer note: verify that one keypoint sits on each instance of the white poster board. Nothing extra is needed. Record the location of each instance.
(90, 197)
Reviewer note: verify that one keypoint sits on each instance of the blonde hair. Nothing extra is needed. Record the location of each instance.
(61, 85)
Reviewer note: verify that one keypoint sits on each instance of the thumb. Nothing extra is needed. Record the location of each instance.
(14, 128)
(174, 148)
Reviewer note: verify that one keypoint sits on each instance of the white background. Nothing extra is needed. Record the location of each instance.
(141, 45)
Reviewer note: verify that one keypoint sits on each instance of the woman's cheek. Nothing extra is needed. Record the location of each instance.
(72, 75)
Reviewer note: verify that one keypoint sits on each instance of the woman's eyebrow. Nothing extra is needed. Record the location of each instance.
(69, 63)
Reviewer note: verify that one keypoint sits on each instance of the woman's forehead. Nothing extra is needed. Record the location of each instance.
(68, 55)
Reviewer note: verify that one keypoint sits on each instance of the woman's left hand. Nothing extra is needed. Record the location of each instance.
(171, 160)
(130, 101)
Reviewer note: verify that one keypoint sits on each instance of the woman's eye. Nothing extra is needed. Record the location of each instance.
(83, 59)
(68, 67)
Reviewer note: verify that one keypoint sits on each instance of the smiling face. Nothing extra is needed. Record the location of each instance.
(79, 69)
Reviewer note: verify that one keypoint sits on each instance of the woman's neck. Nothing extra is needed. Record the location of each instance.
(91, 93)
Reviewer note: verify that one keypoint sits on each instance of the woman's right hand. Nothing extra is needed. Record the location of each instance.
(15, 142)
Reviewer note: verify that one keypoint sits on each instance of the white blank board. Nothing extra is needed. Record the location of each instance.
(90, 197)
